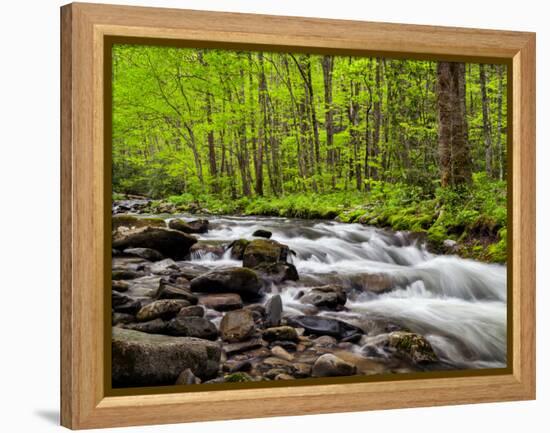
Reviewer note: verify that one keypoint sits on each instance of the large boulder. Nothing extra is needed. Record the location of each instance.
(330, 297)
(413, 346)
(264, 251)
(316, 325)
(192, 326)
(237, 326)
(243, 281)
(140, 359)
(329, 365)
(170, 243)
(196, 226)
(277, 272)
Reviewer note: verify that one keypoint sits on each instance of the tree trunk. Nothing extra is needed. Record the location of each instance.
(328, 66)
(486, 122)
(262, 86)
(211, 146)
(499, 123)
(377, 119)
(454, 149)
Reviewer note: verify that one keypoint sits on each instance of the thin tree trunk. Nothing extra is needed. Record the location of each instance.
(486, 122)
(328, 66)
(499, 123)
(262, 126)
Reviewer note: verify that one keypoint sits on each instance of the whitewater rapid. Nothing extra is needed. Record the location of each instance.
(459, 305)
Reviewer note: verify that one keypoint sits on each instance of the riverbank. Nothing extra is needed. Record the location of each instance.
(470, 223)
(261, 298)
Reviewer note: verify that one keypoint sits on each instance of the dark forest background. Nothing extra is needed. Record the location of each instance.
(411, 145)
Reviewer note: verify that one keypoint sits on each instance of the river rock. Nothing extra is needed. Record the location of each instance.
(280, 333)
(196, 226)
(279, 352)
(233, 366)
(243, 281)
(222, 301)
(140, 359)
(155, 326)
(273, 311)
(330, 297)
(301, 370)
(122, 318)
(190, 270)
(283, 376)
(237, 377)
(415, 346)
(132, 204)
(237, 248)
(237, 326)
(277, 272)
(198, 327)
(164, 309)
(192, 311)
(329, 365)
(164, 267)
(243, 346)
(133, 222)
(264, 251)
(120, 285)
(326, 341)
(317, 325)
(125, 274)
(257, 310)
(124, 304)
(261, 233)
(187, 378)
(170, 243)
(144, 253)
(170, 291)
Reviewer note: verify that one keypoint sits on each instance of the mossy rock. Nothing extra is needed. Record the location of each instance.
(131, 221)
(237, 248)
(414, 346)
(263, 251)
(237, 377)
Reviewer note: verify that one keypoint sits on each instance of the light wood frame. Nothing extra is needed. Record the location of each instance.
(83, 228)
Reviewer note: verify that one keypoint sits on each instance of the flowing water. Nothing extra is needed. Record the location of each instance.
(459, 305)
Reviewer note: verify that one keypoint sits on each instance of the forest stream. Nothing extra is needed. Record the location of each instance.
(379, 283)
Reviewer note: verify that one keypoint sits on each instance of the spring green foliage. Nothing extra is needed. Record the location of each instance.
(307, 136)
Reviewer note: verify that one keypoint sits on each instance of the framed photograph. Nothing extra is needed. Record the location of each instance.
(267, 216)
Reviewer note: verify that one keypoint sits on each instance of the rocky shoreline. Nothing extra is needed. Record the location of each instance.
(176, 321)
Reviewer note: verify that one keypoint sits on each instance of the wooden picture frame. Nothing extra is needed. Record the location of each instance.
(85, 28)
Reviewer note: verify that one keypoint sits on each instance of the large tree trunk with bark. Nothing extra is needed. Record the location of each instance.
(454, 149)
